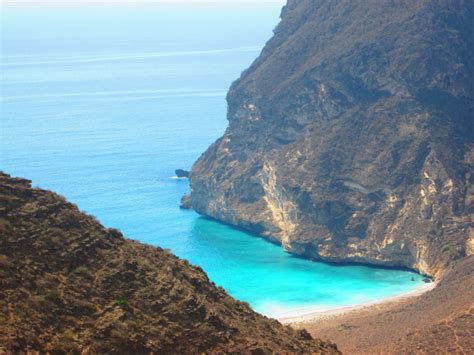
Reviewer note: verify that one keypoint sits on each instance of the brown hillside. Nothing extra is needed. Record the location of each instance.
(69, 284)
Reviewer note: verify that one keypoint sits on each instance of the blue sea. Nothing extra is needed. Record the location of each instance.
(102, 103)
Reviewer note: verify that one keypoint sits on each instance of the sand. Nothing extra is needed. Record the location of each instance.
(309, 315)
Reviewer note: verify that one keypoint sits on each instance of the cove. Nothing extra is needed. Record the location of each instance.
(104, 113)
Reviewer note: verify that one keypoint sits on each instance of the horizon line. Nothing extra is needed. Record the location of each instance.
(140, 2)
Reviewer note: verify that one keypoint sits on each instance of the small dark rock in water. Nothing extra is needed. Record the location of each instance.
(185, 202)
(182, 173)
(427, 280)
(413, 279)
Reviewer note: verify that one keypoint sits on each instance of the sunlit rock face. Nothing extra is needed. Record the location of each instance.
(350, 137)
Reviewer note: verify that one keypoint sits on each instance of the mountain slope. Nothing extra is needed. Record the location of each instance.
(69, 284)
(350, 138)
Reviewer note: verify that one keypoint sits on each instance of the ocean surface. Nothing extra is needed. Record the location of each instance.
(102, 103)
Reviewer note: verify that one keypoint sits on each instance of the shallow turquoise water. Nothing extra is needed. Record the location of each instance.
(101, 104)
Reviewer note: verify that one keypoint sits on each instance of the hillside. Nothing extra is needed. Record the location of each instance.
(67, 284)
(351, 137)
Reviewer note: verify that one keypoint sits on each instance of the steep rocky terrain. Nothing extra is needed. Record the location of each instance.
(438, 322)
(67, 284)
(350, 138)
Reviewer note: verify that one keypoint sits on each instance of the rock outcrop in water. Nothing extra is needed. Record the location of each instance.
(181, 173)
(67, 284)
(350, 138)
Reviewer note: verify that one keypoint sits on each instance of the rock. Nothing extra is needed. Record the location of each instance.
(185, 202)
(182, 173)
(351, 136)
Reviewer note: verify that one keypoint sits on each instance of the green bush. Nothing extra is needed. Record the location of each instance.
(121, 302)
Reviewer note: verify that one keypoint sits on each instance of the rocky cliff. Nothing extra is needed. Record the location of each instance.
(350, 137)
(67, 284)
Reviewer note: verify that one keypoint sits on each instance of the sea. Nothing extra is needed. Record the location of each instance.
(102, 102)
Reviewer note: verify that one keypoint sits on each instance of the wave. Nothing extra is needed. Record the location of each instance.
(122, 94)
(130, 56)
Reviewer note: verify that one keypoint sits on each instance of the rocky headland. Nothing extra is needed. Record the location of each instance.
(350, 137)
(69, 285)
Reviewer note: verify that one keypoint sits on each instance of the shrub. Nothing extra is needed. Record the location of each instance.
(4, 261)
(81, 270)
(121, 302)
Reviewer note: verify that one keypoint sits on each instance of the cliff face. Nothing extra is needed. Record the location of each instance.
(350, 138)
(67, 284)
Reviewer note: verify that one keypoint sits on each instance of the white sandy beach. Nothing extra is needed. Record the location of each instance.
(312, 314)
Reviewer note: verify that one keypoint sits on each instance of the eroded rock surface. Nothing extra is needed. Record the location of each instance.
(350, 138)
(67, 284)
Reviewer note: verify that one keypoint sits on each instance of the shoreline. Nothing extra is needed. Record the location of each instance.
(314, 314)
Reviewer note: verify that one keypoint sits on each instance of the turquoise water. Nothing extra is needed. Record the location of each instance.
(102, 103)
